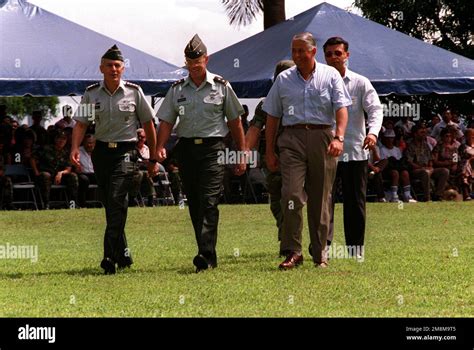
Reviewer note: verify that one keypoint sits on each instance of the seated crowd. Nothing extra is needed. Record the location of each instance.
(437, 159)
(44, 153)
(412, 162)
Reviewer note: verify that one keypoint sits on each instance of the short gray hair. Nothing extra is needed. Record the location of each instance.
(307, 37)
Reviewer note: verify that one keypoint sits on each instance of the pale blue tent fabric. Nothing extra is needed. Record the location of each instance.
(394, 62)
(42, 54)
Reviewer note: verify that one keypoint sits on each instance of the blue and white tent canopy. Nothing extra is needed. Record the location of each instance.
(42, 54)
(394, 62)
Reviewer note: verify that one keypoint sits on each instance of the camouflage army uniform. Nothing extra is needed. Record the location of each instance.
(273, 180)
(6, 187)
(50, 162)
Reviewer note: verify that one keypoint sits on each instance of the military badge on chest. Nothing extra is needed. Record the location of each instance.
(213, 98)
(128, 108)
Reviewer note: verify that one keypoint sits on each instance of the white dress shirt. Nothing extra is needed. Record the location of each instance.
(364, 98)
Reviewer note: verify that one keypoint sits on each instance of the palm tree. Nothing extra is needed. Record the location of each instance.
(243, 12)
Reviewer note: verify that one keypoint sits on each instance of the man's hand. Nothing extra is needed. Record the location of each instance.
(242, 166)
(370, 141)
(161, 154)
(58, 177)
(75, 157)
(153, 169)
(335, 148)
(272, 161)
(240, 169)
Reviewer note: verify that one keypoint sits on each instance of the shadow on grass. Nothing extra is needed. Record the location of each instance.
(87, 271)
(261, 259)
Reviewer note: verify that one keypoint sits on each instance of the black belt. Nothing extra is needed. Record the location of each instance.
(308, 126)
(116, 145)
(200, 140)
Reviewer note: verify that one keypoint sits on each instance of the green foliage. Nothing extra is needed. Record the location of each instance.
(418, 263)
(445, 23)
(20, 107)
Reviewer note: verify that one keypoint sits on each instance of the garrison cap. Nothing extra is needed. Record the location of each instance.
(113, 54)
(281, 66)
(195, 48)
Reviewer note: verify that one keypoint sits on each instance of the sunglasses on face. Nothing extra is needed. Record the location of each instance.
(330, 53)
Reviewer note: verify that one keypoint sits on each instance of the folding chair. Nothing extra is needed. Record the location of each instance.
(164, 195)
(22, 182)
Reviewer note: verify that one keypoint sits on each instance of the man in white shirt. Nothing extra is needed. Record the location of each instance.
(353, 164)
(447, 121)
(66, 121)
(85, 171)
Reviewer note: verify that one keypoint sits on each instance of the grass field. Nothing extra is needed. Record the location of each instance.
(419, 263)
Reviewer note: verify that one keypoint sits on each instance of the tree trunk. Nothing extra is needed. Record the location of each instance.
(273, 12)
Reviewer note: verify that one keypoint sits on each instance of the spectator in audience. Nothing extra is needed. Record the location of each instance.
(376, 164)
(85, 171)
(467, 164)
(405, 124)
(51, 164)
(6, 186)
(66, 121)
(24, 146)
(447, 121)
(142, 181)
(42, 137)
(395, 168)
(435, 119)
(420, 160)
(446, 152)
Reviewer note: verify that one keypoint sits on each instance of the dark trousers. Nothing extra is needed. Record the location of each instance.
(274, 190)
(46, 179)
(6, 192)
(85, 179)
(202, 179)
(114, 170)
(353, 175)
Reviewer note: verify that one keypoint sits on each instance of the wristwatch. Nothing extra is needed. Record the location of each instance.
(153, 161)
(340, 138)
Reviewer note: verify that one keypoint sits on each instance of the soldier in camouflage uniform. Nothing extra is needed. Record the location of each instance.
(252, 139)
(6, 185)
(51, 164)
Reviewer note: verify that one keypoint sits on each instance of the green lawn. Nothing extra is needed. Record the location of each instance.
(419, 263)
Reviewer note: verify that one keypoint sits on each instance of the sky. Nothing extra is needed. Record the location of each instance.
(163, 27)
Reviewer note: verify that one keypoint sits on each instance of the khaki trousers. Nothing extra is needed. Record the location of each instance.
(308, 174)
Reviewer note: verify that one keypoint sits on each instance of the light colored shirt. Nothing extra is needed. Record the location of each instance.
(364, 98)
(86, 161)
(144, 152)
(203, 110)
(312, 101)
(116, 115)
(63, 123)
(406, 126)
(436, 133)
(386, 153)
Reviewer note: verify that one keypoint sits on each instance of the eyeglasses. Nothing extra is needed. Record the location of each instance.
(330, 53)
